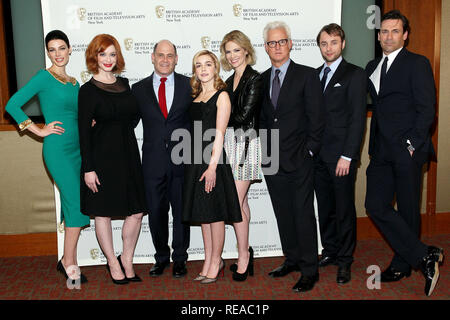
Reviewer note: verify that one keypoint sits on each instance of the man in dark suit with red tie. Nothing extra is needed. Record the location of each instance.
(345, 94)
(292, 106)
(164, 98)
(403, 93)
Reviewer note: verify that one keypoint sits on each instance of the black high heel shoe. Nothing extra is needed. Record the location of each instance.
(234, 266)
(120, 281)
(136, 278)
(249, 271)
(60, 268)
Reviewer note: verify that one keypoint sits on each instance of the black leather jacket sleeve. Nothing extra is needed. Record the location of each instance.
(247, 106)
(249, 101)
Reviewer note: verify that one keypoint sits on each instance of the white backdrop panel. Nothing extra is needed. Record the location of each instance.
(191, 26)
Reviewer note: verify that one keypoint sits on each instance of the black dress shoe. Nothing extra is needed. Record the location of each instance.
(283, 270)
(430, 268)
(326, 261)
(179, 269)
(158, 268)
(392, 275)
(306, 283)
(344, 274)
(136, 278)
(60, 268)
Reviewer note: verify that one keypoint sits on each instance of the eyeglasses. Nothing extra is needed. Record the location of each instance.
(281, 42)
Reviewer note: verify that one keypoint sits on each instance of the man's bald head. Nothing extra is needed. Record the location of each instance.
(164, 58)
(166, 42)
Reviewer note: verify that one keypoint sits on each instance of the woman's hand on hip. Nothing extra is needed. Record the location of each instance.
(51, 128)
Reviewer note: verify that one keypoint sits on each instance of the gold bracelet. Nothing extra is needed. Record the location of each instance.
(25, 124)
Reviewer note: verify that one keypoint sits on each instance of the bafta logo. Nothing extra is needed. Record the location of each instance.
(206, 41)
(237, 10)
(160, 11)
(85, 76)
(95, 253)
(128, 42)
(82, 14)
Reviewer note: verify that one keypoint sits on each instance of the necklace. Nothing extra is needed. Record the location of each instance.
(62, 79)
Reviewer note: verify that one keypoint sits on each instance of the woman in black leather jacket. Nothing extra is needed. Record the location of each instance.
(242, 143)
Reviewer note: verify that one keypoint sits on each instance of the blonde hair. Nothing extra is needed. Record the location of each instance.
(196, 86)
(241, 40)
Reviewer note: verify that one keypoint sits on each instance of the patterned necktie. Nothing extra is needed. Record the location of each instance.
(324, 77)
(275, 88)
(162, 97)
(383, 72)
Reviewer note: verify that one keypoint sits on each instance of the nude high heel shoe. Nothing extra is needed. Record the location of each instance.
(221, 272)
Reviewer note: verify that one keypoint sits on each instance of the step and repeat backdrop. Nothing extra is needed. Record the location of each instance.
(192, 26)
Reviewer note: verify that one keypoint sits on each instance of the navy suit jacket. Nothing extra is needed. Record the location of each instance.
(345, 107)
(404, 109)
(157, 146)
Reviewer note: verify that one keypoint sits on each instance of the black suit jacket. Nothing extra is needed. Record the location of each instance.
(404, 108)
(157, 146)
(299, 116)
(345, 113)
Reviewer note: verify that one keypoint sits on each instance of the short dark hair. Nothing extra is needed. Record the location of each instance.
(397, 15)
(56, 35)
(332, 29)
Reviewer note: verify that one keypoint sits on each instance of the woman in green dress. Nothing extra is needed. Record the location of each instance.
(58, 97)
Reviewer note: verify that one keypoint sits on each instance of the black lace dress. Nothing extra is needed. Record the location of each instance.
(222, 203)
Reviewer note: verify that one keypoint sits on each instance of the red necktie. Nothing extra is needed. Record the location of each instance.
(162, 97)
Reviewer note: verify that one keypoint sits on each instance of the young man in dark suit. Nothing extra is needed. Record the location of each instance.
(292, 106)
(345, 92)
(403, 93)
(164, 98)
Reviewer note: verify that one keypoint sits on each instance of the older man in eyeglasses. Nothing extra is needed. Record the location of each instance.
(293, 106)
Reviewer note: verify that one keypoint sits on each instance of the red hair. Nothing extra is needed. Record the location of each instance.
(99, 44)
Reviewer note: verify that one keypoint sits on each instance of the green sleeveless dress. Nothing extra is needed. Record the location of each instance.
(59, 102)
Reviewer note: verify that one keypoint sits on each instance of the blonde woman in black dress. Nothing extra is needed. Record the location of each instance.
(209, 193)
